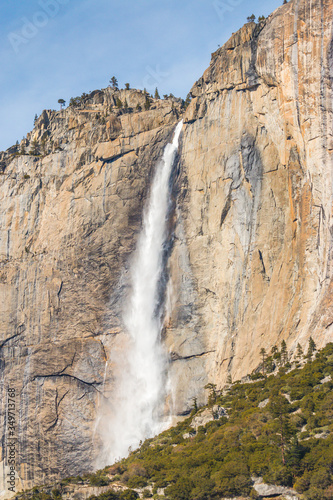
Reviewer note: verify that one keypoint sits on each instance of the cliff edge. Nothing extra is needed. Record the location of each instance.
(251, 256)
(255, 203)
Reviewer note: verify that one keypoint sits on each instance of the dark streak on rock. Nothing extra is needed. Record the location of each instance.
(55, 375)
(226, 208)
(262, 262)
(57, 404)
(176, 357)
(10, 338)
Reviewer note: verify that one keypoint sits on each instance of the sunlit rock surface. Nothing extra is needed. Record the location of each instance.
(252, 263)
(69, 222)
(250, 235)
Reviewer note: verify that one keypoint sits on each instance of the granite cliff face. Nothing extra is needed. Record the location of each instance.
(69, 221)
(252, 263)
(251, 256)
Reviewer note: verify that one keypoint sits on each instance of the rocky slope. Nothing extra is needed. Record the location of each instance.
(252, 249)
(232, 448)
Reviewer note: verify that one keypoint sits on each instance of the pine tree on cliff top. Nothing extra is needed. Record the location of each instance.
(114, 83)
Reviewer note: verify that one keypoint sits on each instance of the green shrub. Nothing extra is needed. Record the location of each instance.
(128, 495)
(316, 494)
(108, 495)
(267, 442)
(99, 480)
(321, 478)
(137, 482)
(180, 490)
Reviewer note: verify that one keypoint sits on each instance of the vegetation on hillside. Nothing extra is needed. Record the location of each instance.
(278, 426)
(287, 440)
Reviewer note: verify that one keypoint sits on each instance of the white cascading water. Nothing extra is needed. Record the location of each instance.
(141, 379)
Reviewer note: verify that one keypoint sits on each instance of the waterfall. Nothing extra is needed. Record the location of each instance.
(141, 367)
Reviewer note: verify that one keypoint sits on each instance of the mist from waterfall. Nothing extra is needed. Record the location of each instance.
(140, 367)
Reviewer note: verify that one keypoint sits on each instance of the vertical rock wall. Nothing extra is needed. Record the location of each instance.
(69, 221)
(251, 249)
(252, 264)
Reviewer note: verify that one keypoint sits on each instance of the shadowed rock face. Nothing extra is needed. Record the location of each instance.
(250, 254)
(255, 226)
(69, 222)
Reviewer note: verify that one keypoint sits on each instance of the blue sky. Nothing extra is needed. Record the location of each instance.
(53, 49)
